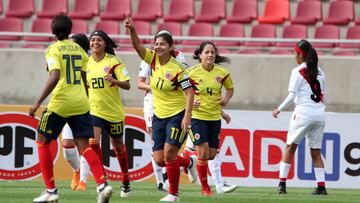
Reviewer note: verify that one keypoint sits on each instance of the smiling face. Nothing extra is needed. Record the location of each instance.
(207, 56)
(97, 44)
(162, 47)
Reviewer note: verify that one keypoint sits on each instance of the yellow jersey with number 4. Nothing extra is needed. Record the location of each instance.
(69, 96)
(208, 86)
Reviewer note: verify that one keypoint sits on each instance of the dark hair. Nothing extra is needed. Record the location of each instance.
(167, 36)
(310, 58)
(82, 40)
(109, 43)
(218, 59)
(61, 26)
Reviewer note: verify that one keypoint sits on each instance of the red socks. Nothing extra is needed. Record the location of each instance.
(202, 166)
(95, 145)
(122, 157)
(46, 164)
(173, 172)
(95, 164)
(184, 162)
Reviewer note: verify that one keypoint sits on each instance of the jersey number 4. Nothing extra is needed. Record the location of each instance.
(70, 66)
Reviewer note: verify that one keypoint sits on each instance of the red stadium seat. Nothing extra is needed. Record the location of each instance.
(149, 10)
(244, 11)
(281, 52)
(142, 28)
(340, 13)
(111, 27)
(1, 7)
(357, 21)
(295, 32)
(199, 30)
(344, 53)
(250, 51)
(51, 8)
(230, 30)
(4, 45)
(116, 10)
(352, 33)
(308, 12)
(211, 11)
(10, 25)
(262, 31)
(20, 8)
(79, 26)
(276, 12)
(40, 25)
(85, 9)
(173, 27)
(180, 11)
(326, 32)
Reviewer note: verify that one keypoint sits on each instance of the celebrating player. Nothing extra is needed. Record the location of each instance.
(306, 89)
(169, 82)
(209, 79)
(106, 75)
(66, 62)
(144, 75)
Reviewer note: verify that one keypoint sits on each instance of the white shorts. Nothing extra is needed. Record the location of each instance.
(67, 133)
(301, 126)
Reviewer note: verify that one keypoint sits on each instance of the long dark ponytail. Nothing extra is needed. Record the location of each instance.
(311, 59)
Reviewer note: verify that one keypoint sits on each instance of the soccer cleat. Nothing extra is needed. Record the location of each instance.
(75, 180)
(192, 174)
(125, 189)
(226, 188)
(81, 186)
(160, 187)
(170, 198)
(282, 188)
(207, 192)
(104, 194)
(320, 190)
(47, 196)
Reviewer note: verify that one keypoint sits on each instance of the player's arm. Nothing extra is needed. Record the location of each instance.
(141, 84)
(122, 84)
(83, 77)
(225, 116)
(140, 49)
(229, 93)
(51, 83)
(284, 104)
(186, 122)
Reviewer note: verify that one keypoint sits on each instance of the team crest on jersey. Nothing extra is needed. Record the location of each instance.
(168, 75)
(197, 136)
(106, 69)
(218, 79)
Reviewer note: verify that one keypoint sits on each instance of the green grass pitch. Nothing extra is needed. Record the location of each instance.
(25, 191)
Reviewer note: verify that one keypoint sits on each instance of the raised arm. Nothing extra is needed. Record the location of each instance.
(140, 49)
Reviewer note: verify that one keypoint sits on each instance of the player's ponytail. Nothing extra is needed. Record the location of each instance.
(310, 56)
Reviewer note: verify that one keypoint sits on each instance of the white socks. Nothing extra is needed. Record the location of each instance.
(215, 170)
(71, 155)
(284, 170)
(84, 169)
(319, 174)
(157, 171)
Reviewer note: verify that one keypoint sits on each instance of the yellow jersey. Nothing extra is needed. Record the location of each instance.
(69, 96)
(165, 82)
(208, 85)
(105, 99)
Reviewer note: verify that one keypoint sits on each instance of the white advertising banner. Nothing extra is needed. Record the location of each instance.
(252, 144)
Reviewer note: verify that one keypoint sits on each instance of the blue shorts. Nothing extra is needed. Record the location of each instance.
(51, 125)
(205, 131)
(113, 129)
(168, 130)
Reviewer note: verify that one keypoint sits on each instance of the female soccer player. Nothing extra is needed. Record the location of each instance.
(66, 62)
(71, 153)
(143, 84)
(209, 79)
(169, 82)
(106, 75)
(306, 89)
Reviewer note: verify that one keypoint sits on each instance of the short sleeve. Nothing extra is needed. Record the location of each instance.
(228, 83)
(144, 69)
(52, 58)
(149, 56)
(121, 73)
(294, 83)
